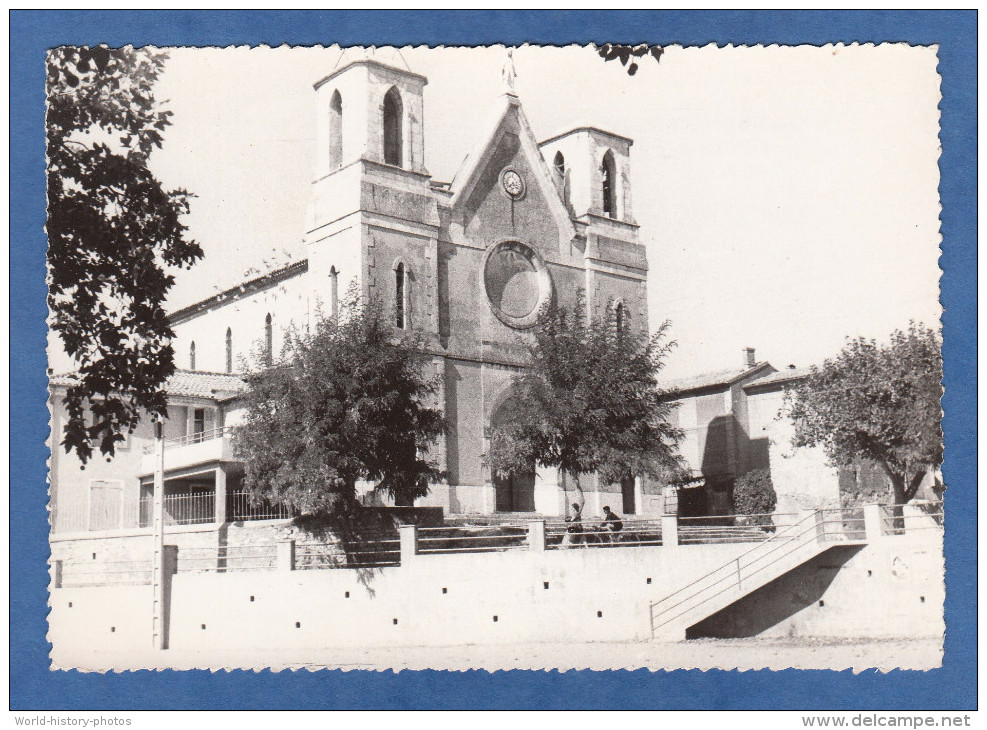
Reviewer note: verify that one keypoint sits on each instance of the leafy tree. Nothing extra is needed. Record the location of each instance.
(112, 230)
(877, 402)
(345, 403)
(625, 54)
(754, 498)
(589, 402)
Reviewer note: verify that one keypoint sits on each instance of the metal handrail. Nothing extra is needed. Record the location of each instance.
(781, 539)
(191, 438)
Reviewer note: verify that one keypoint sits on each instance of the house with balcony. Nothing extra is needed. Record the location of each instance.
(202, 476)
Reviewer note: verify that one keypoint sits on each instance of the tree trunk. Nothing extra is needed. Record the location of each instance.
(900, 498)
(579, 491)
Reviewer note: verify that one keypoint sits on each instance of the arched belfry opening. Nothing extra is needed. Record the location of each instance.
(559, 164)
(609, 176)
(393, 120)
(516, 491)
(335, 131)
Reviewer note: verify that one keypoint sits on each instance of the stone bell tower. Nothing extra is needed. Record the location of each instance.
(373, 217)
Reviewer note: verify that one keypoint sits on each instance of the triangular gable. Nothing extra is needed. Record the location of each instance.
(474, 165)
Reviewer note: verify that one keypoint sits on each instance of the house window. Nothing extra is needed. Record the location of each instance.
(229, 350)
(400, 293)
(334, 291)
(559, 164)
(335, 131)
(268, 340)
(393, 118)
(191, 357)
(198, 424)
(609, 182)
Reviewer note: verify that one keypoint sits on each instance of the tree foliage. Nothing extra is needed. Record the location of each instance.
(112, 231)
(347, 402)
(877, 402)
(626, 54)
(754, 494)
(589, 402)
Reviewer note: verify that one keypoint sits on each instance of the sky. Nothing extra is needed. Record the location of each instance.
(787, 196)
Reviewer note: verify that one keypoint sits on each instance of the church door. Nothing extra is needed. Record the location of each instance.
(516, 493)
(627, 492)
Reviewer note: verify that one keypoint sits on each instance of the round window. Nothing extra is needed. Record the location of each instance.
(517, 283)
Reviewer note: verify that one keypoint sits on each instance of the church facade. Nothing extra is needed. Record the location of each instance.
(466, 263)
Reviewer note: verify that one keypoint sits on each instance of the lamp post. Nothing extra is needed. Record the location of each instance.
(158, 628)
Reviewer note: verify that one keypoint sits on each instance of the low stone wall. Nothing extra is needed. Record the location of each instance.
(579, 595)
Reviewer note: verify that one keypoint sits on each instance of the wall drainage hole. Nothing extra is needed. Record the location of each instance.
(599, 614)
(649, 581)
(346, 595)
(251, 599)
(495, 619)
(94, 556)
(870, 573)
(395, 622)
(920, 598)
(445, 590)
(70, 604)
(113, 629)
(203, 627)
(545, 584)
(822, 603)
(298, 624)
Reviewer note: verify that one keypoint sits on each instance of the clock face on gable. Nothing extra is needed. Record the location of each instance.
(517, 283)
(513, 183)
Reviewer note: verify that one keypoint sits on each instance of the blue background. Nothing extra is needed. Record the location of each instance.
(34, 686)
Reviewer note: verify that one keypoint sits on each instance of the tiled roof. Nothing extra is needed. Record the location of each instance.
(258, 283)
(780, 378)
(185, 383)
(711, 380)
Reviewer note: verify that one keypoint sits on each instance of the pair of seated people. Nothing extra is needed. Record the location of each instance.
(576, 533)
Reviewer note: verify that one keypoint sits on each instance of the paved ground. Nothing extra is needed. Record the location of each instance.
(743, 654)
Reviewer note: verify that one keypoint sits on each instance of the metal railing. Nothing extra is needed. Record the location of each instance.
(731, 575)
(731, 528)
(472, 539)
(181, 509)
(80, 574)
(227, 558)
(844, 524)
(240, 509)
(901, 519)
(374, 552)
(634, 532)
(196, 437)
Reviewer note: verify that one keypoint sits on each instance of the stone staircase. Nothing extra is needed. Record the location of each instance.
(791, 546)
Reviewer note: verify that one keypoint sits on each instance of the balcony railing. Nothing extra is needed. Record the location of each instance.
(181, 509)
(192, 438)
(239, 509)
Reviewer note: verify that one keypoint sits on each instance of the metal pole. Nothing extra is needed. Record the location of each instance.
(157, 565)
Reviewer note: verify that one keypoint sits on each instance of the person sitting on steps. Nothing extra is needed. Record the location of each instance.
(612, 524)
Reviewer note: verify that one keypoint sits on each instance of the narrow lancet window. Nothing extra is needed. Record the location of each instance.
(335, 131)
(191, 357)
(229, 350)
(609, 182)
(559, 164)
(334, 292)
(393, 119)
(400, 313)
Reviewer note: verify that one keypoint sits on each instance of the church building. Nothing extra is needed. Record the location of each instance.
(467, 263)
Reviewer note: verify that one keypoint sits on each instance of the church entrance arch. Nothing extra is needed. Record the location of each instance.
(515, 492)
